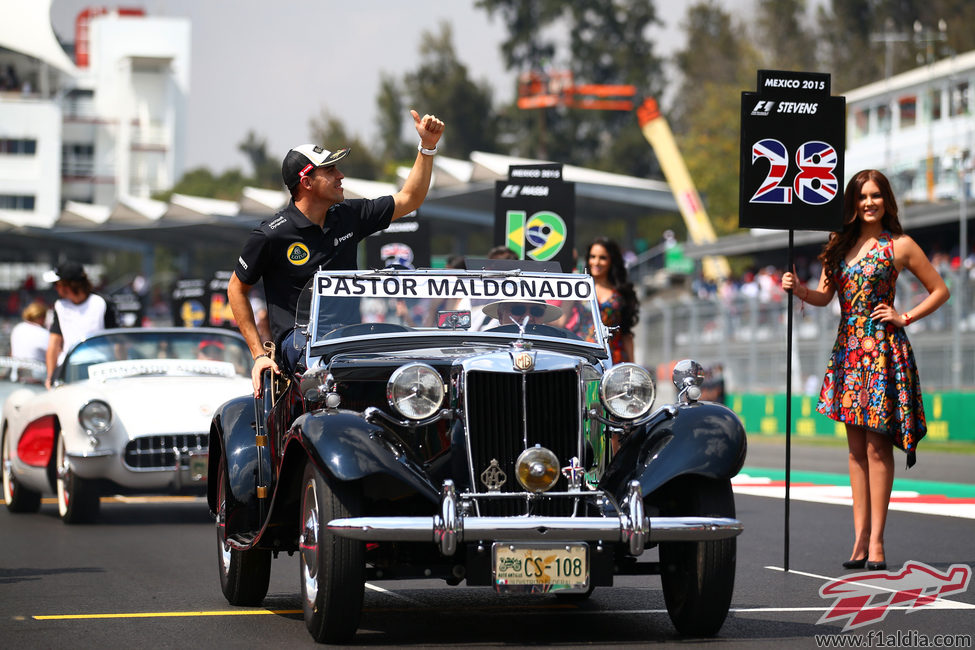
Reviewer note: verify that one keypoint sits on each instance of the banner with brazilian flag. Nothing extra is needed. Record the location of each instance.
(534, 214)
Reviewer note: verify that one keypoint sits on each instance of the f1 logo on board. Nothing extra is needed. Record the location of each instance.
(865, 598)
(510, 191)
(763, 107)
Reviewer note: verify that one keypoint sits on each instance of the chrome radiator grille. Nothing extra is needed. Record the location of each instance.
(497, 406)
(157, 452)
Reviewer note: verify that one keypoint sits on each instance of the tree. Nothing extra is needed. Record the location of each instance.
(717, 63)
(331, 133)
(782, 29)
(267, 171)
(441, 85)
(851, 56)
(608, 44)
(392, 113)
(201, 182)
(859, 34)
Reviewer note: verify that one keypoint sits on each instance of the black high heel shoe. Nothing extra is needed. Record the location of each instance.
(855, 564)
(877, 566)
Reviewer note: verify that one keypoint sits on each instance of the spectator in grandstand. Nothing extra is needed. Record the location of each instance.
(872, 382)
(618, 304)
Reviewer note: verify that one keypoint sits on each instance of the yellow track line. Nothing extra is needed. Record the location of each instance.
(232, 612)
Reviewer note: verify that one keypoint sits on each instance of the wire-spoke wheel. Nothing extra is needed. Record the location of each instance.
(244, 574)
(332, 567)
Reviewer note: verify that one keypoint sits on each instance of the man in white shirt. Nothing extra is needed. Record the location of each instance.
(77, 314)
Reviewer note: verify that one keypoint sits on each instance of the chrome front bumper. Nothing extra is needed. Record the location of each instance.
(449, 528)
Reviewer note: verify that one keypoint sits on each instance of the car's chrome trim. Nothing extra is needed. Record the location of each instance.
(92, 454)
(450, 527)
(523, 529)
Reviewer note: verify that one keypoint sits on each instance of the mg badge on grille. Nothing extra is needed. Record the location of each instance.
(523, 360)
(493, 477)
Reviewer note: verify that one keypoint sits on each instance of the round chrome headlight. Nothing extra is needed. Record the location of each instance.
(627, 391)
(537, 469)
(415, 390)
(688, 372)
(95, 417)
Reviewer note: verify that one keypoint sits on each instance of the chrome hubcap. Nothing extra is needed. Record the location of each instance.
(64, 496)
(222, 530)
(8, 479)
(308, 542)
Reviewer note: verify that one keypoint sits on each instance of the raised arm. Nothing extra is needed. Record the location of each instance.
(414, 190)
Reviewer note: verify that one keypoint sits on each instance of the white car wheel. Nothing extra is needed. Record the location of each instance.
(17, 497)
(78, 499)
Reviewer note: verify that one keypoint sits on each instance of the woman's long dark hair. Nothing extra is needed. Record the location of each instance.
(839, 243)
(619, 278)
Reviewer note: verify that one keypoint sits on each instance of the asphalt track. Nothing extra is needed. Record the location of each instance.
(145, 576)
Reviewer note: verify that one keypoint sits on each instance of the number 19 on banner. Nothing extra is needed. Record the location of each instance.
(539, 237)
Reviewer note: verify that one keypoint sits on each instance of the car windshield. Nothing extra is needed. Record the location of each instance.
(487, 305)
(135, 352)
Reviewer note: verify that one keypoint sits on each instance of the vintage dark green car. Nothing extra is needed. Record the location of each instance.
(468, 426)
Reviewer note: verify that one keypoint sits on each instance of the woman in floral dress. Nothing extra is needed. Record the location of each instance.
(618, 305)
(872, 382)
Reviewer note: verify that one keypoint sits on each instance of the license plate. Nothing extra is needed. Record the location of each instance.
(541, 567)
(198, 466)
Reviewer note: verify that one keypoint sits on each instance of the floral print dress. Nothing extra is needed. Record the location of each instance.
(871, 377)
(611, 312)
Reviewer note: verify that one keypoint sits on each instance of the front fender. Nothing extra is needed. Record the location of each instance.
(232, 437)
(350, 448)
(703, 438)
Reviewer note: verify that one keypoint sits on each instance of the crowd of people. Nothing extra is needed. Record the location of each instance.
(761, 284)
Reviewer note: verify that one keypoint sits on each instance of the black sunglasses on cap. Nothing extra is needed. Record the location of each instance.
(535, 310)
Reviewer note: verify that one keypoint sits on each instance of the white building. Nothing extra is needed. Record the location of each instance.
(917, 127)
(110, 125)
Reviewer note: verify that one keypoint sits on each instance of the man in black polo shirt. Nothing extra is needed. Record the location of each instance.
(318, 229)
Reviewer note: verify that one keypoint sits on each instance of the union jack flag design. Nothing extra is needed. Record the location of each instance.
(816, 183)
(778, 157)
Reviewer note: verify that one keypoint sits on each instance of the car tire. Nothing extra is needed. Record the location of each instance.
(698, 577)
(244, 574)
(17, 497)
(332, 567)
(78, 498)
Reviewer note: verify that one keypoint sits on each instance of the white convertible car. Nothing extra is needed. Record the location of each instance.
(130, 412)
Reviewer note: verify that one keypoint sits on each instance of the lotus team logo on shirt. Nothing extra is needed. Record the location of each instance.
(298, 253)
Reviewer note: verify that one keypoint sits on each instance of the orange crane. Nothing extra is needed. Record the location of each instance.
(556, 88)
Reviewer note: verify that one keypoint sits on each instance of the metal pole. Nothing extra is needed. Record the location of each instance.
(788, 407)
(958, 295)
